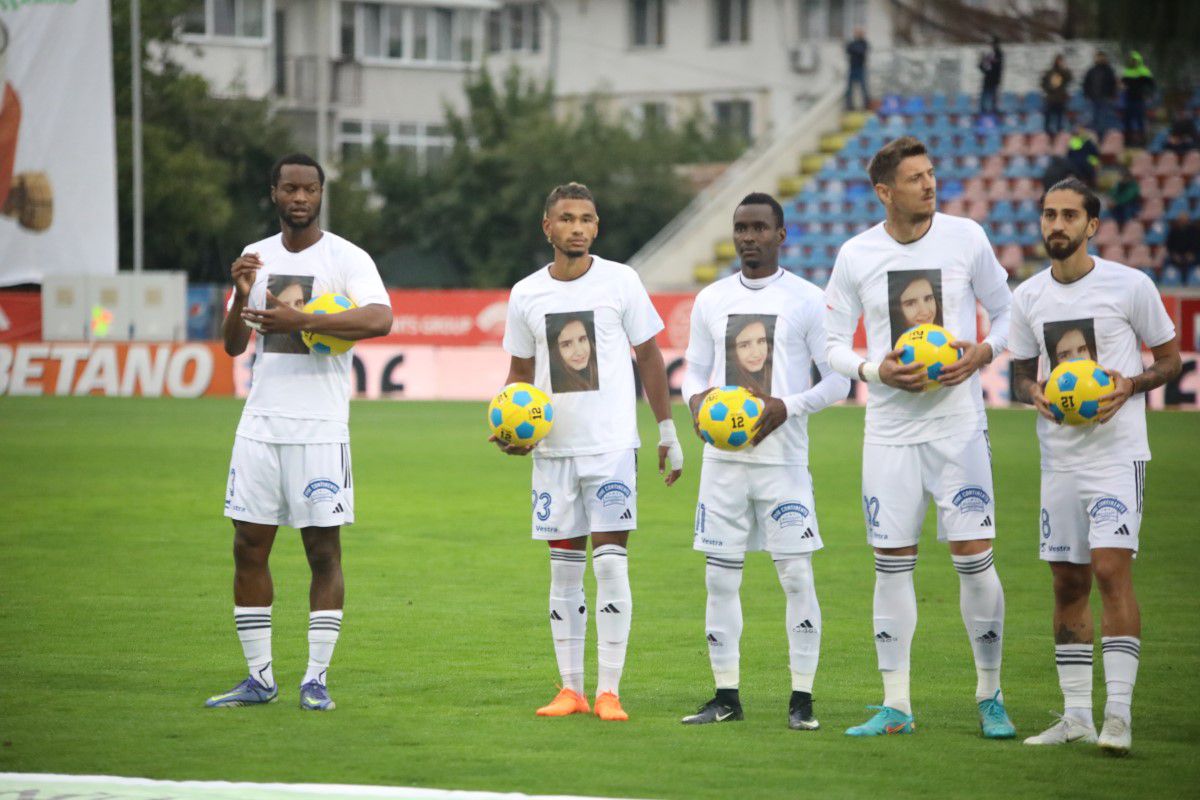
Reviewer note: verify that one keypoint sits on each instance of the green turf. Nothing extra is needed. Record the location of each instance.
(115, 624)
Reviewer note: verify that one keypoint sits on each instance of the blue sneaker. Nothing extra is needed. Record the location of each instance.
(886, 721)
(315, 697)
(247, 693)
(993, 719)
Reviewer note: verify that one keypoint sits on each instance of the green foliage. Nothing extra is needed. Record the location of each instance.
(480, 210)
(206, 160)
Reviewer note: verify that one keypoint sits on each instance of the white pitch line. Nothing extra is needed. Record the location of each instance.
(36, 786)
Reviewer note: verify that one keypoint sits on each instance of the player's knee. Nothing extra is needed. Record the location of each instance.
(610, 567)
(795, 574)
(249, 553)
(722, 582)
(1111, 570)
(324, 560)
(1071, 585)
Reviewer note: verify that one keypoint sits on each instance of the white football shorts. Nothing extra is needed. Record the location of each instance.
(300, 485)
(577, 495)
(746, 506)
(1085, 509)
(898, 481)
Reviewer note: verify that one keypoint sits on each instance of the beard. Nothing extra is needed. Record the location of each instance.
(285, 219)
(1061, 248)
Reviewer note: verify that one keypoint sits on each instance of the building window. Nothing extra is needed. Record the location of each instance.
(515, 28)
(647, 23)
(411, 34)
(652, 115)
(830, 19)
(731, 21)
(732, 118)
(229, 19)
(423, 145)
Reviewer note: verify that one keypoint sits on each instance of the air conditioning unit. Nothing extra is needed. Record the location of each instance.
(805, 58)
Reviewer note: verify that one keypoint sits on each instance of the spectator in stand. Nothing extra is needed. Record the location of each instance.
(1059, 169)
(856, 57)
(1126, 197)
(1084, 155)
(1182, 136)
(1139, 87)
(1183, 242)
(1055, 95)
(1100, 88)
(991, 64)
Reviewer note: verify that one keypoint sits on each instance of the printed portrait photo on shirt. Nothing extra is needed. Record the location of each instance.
(750, 351)
(1069, 339)
(571, 340)
(914, 298)
(294, 291)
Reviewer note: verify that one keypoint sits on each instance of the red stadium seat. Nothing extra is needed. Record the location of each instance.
(1014, 145)
(1139, 256)
(975, 190)
(1173, 186)
(978, 210)
(1026, 189)
(1039, 144)
(1133, 233)
(1142, 164)
(1113, 252)
(1190, 166)
(1113, 144)
(1062, 142)
(1000, 189)
(1108, 233)
(955, 208)
(1152, 208)
(993, 167)
(1011, 257)
(1149, 188)
(1167, 164)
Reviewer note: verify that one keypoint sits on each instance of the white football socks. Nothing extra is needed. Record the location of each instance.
(614, 609)
(723, 618)
(1121, 657)
(981, 600)
(568, 614)
(254, 631)
(803, 620)
(1074, 663)
(323, 630)
(895, 623)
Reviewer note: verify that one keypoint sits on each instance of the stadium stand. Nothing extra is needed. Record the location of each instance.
(990, 169)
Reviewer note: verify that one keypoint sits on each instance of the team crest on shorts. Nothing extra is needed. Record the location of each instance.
(321, 490)
(789, 514)
(614, 493)
(1107, 509)
(971, 499)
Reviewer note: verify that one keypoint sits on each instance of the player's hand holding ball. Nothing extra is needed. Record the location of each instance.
(519, 416)
(727, 415)
(934, 350)
(1077, 390)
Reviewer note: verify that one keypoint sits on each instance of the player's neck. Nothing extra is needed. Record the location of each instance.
(906, 230)
(1073, 267)
(297, 239)
(759, 272)
(568, 268)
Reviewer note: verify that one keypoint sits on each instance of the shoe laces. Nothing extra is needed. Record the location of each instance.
(993, 710)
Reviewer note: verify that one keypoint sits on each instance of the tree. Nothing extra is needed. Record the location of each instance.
(206, 160)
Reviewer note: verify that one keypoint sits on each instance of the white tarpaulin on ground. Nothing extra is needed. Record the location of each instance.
(58, 172)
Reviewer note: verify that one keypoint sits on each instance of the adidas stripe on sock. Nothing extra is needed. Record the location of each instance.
(568, 614)
(253, 625)
(723, 619)
(614, 608)
(323, 630)
(1122, 655)
(1074, 662)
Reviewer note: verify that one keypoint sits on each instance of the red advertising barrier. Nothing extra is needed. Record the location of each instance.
(114, 369)
(20, 316)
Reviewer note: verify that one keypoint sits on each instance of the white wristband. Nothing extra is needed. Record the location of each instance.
(870, 372)
(668, 438)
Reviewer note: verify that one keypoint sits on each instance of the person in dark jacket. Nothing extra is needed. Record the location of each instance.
(856, 58)
(1084, 156)
(1125, 197)
(991, 64)
(1055, 95)
(1100, 88)
(1139, 87)
(1183, 242)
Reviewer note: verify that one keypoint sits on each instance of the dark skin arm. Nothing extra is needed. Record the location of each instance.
(1166, 367)
(233, 330)
(1027, 388)
(520, 370)
(654, 381)
(694, 403)
(774, 414)
(354, 324)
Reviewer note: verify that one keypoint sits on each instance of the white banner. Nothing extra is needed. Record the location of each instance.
(58, 172)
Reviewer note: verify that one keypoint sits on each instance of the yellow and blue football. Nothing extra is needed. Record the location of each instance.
(928, 345)
(726, 416)
(1074, 390)
(520, 415)
(323, 343)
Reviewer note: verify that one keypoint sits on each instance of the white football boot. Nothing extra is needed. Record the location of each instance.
(1116, 736)
(1065, 731)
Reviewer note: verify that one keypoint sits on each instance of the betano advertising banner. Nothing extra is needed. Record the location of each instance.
(58, 174)
(114, 369)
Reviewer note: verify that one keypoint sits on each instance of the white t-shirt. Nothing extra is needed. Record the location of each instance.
(296, 396)
(1101, 316)
(895, 287)
(578, 333)
(764, 335)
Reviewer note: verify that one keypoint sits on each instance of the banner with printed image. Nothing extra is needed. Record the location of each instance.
(58, 171)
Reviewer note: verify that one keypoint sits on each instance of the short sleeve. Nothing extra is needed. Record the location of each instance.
(1148, 316)
(518, 337)
(1022, 341)
(639, 318)
(363, 284)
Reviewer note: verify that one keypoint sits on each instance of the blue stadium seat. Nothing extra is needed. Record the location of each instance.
(1193, 277)
(1193, 189)
(1031, 102)
(1003, 211)
(950, 189)
(913, 104)
(891, 104)
(938, 104)
(1170, 277)
(1150, 273)
(963, 103)
(1157, 233)
(1178, 206)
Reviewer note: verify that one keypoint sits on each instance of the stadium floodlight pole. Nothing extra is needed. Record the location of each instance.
(135, 49)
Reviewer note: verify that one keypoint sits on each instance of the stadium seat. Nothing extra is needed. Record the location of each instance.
(977, 210)
(912, 105)
(1150, 273)
(1180, 205)
(950, 189)
(1166, 164)
(1139, 256)
(1189, 167)
(1113, 144)
(1141, 164)
(1019, 167)
(1031, 102)
(1000, 189)
(1113, 252)
(890, 105)
(1170, 278)
(1152, 209)
(956, 207)
(1011, 257)
(1133, 233)
(1003, 211)
(993, 167)
(975, 190)
(1108, 233)
(1173, 186)
(1026, 189)
(1061, 142)
(1157, 232)
(1148, 187)
(1039, 144)
(1014, 145)
(1193, 277)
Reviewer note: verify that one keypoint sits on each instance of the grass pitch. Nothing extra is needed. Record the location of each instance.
(116, 623)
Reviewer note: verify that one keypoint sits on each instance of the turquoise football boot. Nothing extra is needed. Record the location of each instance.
(993, 719)
(887, 721)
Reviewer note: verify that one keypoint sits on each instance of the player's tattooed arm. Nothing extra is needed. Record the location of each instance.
(1027, 388)
(1166, 367)
(520, 370)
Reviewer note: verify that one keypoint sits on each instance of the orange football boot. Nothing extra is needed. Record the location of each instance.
(608, 708)
(564, 703)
